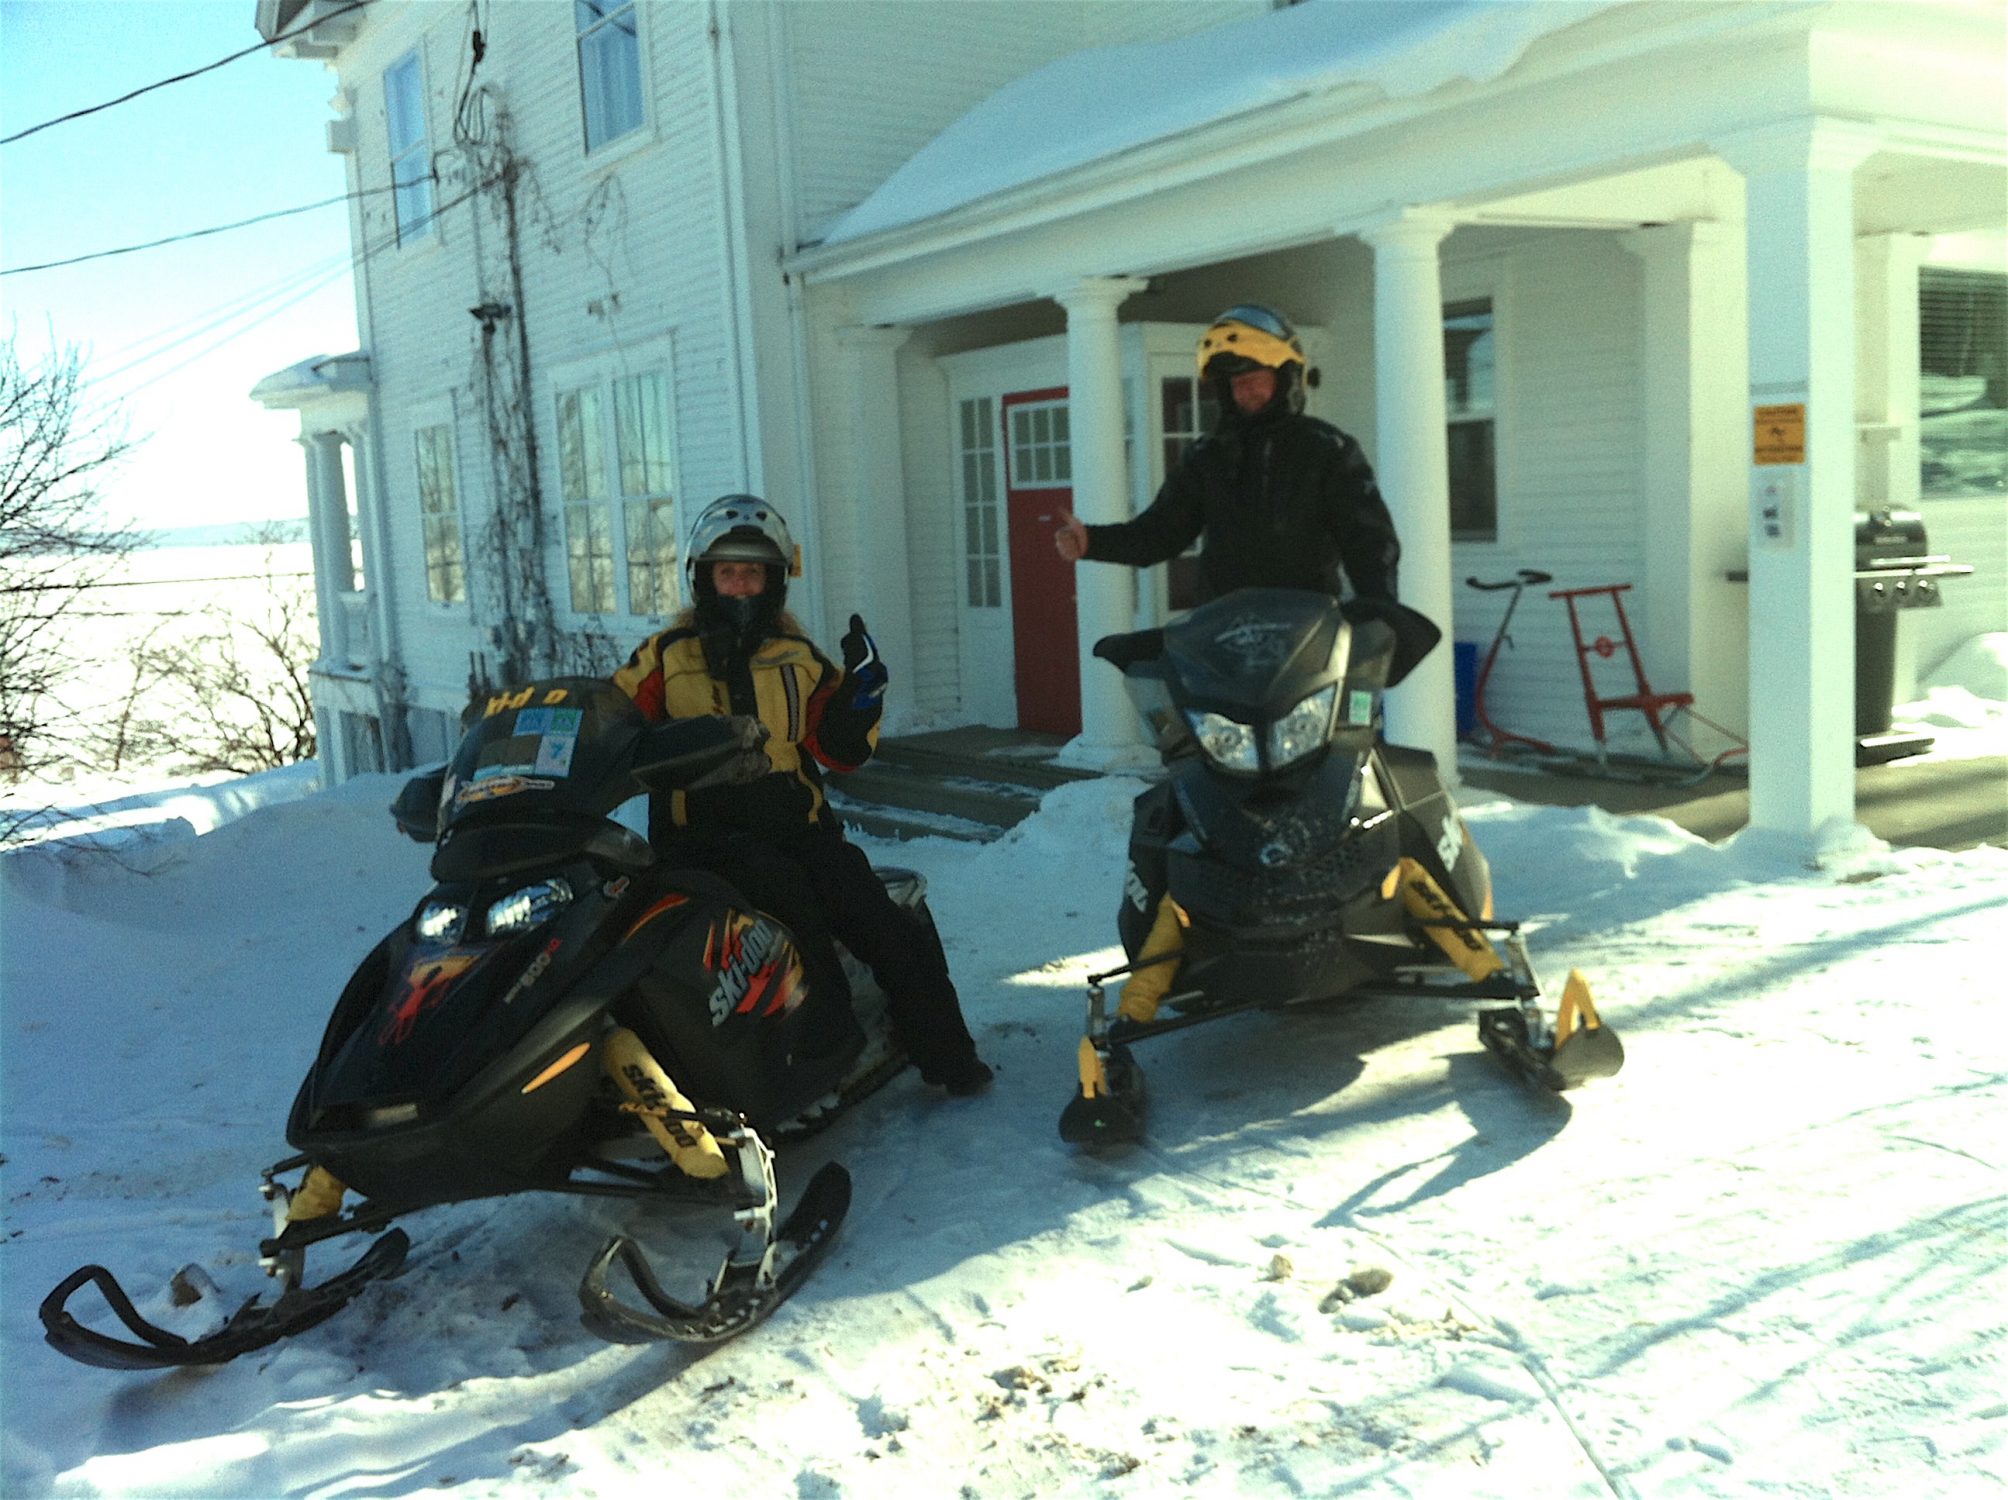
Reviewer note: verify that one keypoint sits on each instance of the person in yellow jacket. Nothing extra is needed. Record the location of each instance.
(737, 650)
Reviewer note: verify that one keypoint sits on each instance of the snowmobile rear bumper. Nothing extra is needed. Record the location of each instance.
(252, 1327)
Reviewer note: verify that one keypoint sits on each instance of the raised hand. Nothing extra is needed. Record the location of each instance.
(1072, 537)
(863, 665)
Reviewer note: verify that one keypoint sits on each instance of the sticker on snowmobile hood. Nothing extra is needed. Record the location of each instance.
(554, 754)
(489, 788)
(1261, 645)
(549, 721)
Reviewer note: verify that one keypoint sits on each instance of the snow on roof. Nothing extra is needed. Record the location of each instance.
(1104, 100)
(321, 375)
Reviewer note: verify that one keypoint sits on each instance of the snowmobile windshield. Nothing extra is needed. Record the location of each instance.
(1262, 676)
(555, 749)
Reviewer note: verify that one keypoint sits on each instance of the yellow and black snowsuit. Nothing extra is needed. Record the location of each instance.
(788, 685)
(776, 838)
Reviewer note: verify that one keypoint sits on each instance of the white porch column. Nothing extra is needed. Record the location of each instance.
(1412, 461)
(1105, 597)
(883, 594)
(1692, 618)
(328, 524)
(1800, 248)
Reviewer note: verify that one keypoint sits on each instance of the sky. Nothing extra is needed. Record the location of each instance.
(177, 336)
(1765, 1258)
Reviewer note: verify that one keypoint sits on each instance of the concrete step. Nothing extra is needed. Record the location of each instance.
(966, 784)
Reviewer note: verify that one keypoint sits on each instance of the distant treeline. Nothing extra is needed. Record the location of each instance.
(228, 534)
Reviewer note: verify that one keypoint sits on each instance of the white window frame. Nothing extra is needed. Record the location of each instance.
(449, 524)
(600, 17)
(421, 225)
(981, 491)
(1040, 437)
(607, 508)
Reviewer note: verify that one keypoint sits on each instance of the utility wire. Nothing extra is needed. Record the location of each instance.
(78, 114)
(196, 234)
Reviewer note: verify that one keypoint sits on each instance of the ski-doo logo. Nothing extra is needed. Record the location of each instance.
(503, 702)
(754, 964)
(649, 1095)
(426, 982)
(1262, 645)
(1451, 843)
(1133, 888)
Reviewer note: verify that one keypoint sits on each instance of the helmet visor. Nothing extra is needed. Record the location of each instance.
(1262, 319)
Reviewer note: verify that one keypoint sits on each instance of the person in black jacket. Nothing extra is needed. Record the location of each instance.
(1275, 498)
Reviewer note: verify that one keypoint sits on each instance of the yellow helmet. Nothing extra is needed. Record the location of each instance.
(1247, 336)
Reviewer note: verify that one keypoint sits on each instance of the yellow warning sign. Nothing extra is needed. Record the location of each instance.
(1781, 434)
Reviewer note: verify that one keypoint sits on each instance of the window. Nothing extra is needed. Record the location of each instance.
(1963, 353)
(981, 546)
(629, 418)
(1187, 412)
(1041, 450)
(439, 516)
(410, 160)
(1467, 395)
(609, 69)
(641, 456)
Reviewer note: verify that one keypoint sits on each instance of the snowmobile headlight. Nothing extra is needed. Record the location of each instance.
(1227, 742)
(1303, 729)
(519, 911)
(440, 922)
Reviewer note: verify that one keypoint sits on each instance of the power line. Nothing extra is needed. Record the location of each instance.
(196, 234)
(78, 114)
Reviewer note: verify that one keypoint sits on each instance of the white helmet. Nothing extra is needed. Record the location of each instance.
(741, 528)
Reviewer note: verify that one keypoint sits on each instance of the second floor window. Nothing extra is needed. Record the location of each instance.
(439, 516)
(609, 69)
(620, 515)
(410, 158)
(1468, 399)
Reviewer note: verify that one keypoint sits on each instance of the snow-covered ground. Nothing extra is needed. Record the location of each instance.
(1766, 1259)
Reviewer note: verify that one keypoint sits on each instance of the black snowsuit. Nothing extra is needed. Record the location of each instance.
(1277, 500)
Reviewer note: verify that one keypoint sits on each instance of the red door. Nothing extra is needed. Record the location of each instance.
(1038, 485)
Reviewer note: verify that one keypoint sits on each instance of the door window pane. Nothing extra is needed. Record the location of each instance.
(978, 420)
(1468, 367)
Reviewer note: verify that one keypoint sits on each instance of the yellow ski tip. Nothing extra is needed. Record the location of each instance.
(1576, 1006)
(1094, 1080)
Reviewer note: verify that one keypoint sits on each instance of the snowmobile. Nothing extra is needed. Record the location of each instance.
(560, 1012)
(1289, 855)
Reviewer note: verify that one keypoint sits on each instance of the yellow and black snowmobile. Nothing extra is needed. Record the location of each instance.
(1290, 856)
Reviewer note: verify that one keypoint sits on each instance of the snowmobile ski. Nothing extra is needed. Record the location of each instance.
(1581, 1048)
(749, 1286)
(1108, 1109)
(253, 1326)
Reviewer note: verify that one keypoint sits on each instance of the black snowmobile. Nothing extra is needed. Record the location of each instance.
(559, 1013)
(1290, 856)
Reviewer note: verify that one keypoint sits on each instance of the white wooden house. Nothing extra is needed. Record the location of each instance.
(919, 272)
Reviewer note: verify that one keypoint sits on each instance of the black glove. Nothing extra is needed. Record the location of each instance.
(864, 669)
